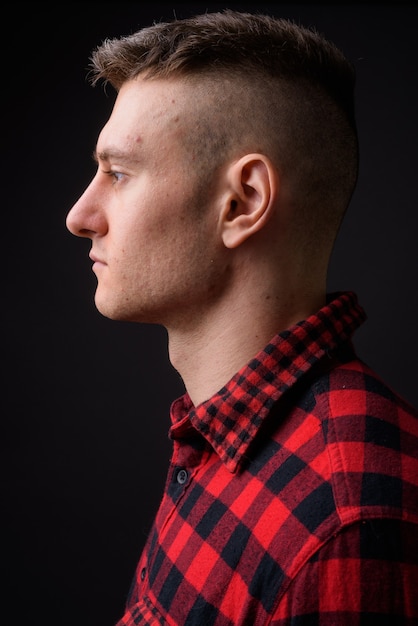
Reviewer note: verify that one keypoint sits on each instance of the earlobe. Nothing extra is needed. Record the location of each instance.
(250, 202)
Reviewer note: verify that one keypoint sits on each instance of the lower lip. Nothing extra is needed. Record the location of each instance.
(96, 265)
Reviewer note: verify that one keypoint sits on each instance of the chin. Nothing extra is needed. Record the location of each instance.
(107, 308)
(120, 313)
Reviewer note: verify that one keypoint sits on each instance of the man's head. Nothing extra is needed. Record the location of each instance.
(266, 84)
(257, 120)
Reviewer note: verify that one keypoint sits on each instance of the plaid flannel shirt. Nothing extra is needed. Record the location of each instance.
(292, 494)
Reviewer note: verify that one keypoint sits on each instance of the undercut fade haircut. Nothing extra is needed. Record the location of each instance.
(267, 84)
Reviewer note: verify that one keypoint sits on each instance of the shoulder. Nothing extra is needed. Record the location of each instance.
(371, 438)
(355, 404)
(354, 386)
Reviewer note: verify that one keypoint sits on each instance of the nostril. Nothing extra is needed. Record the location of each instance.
(85, 232)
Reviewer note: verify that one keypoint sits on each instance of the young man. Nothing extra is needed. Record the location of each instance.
(224, 172)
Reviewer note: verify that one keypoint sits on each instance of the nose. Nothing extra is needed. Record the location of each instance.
(85, 218)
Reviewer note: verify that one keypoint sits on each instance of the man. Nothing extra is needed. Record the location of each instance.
(224, 172)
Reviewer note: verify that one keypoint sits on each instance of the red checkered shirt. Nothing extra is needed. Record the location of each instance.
(292, 494)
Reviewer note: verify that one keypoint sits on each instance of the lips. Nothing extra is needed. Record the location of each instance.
(96, 260)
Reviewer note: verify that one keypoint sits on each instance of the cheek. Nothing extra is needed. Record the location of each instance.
(166, 225)
(149, 246)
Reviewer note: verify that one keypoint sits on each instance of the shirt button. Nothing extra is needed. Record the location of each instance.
(143, 572)
(182, 477)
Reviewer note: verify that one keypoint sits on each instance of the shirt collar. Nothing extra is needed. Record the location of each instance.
(231, 418)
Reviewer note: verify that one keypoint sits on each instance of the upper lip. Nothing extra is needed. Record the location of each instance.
(95, 258)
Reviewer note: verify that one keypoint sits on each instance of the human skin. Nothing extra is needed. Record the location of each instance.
(204, 252)
(152, 240)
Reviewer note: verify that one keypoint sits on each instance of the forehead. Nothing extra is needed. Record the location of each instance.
(146, 111)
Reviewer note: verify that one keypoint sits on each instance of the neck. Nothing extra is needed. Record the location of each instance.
(226, 338)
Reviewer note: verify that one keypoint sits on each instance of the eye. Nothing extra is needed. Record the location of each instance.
(115, 176)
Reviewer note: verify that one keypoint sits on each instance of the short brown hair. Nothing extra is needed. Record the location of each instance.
(294, 91)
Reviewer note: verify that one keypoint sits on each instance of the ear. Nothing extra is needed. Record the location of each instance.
(249, 204)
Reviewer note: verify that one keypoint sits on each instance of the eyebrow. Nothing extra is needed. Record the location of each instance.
(113, 154)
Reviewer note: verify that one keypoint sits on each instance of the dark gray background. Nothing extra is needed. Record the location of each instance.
(85, 414)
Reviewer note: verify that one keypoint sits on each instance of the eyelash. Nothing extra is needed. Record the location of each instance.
(113, 175)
